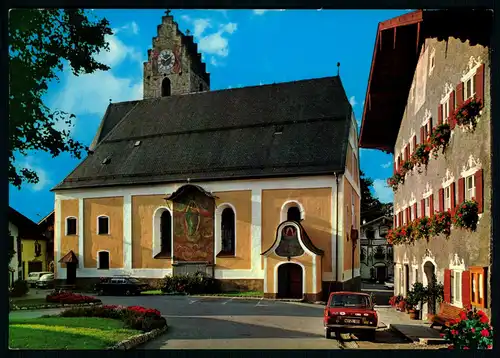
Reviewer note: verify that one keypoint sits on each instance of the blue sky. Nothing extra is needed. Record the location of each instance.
(241, 48)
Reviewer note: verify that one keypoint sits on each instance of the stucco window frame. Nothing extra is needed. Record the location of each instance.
(457, 268)
(426, 123)
(218, 230)
(98, 259)
(468, 170)
(287, 205)
(468, 75)
(66, 226)
(432, 61)
(157, 248)
(445, 102)
(414, 269)
(98, 226)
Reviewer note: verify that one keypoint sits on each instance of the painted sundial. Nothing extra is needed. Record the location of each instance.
(289, 245)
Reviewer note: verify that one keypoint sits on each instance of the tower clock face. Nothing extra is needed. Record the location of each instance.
(166, 61)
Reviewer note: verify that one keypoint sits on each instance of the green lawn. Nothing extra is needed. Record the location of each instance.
(152, 292)
(67, 333)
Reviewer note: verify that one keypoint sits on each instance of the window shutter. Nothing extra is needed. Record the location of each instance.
(408, 152)
(430, 127)
(452, 197)
(415, 210)
(431, 204)
(400, 218)
(422, 135)
(440, 114)
(460, 94)
(461, 190)
(479, 84)
(447, 285)
(407, 215)
(466, 289)
(441, 199)
(414, 144)
(451, 117)
(395, 224)
(399, 162)
(478, 176)
(405, 153)
(422, 208)
(394, 164)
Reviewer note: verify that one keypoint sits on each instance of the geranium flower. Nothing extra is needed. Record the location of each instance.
(485, 333)
(483, 319)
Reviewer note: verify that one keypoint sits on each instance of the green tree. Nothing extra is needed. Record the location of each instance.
(371, 207)
(41, 41)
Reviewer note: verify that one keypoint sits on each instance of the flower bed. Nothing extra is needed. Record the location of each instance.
(466, 215)
(471, 331)
(440, 223)
(70, 298)
(466, 115)
(134, 317)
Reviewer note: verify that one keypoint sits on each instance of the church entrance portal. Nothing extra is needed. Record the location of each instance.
(290, 281)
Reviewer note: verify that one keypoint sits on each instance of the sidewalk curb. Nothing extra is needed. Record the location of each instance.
(53, 305)
(135, 341)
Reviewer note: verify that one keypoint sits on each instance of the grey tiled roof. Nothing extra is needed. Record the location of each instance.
(218, 135)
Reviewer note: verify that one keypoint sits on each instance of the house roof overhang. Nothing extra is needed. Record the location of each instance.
(395, 55)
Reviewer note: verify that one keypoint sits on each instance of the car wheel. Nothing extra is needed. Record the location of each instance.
(128, 293)
(328, 333)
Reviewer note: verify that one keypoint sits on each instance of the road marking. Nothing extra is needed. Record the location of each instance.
(228, 301)
(259, 304)
(192, 301)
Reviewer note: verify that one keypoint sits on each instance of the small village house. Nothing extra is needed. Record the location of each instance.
(257, 186)
(428, 102)
(376, 253)
(30, 246)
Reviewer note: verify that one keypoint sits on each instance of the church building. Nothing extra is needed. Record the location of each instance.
(256, 186)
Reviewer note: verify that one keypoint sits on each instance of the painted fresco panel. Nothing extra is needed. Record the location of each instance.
(289, 245)
(194, 227)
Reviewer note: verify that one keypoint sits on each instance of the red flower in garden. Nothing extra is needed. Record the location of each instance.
(490, 346)
(454, 332)
(483, 319)
(451, 347)
(466, 347)
(463, 315)
(485, 333)
(472, 330)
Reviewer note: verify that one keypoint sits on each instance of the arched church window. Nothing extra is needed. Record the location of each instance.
(166, 87)
(228, 231)
(166, 232)
(293, 214)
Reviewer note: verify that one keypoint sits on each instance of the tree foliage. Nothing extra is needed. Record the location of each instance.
(371, 207)
(41, 41)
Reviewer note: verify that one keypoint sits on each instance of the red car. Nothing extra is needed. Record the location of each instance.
(350, 312)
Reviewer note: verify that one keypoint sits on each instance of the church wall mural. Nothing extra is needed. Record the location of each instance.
(289, 245)
(194, 227)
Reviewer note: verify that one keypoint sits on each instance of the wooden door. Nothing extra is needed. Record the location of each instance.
(290, 281)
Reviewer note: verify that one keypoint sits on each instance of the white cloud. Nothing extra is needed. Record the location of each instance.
(200, 25)
(352, 101)
(216, 43)
(131, 27)
(386, 165)
(43, 177)
(91, 93)
(382, 191)
(262, 12)
(213, 61)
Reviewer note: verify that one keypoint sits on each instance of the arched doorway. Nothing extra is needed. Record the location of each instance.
(166, 87)
(430, 274)
(290, 281)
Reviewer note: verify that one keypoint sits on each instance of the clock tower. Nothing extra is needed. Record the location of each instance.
(174, 65)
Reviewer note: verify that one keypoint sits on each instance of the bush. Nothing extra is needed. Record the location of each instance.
(198, 283)
(70, 298)
(471, 331)
(134, 317)
(19, 289)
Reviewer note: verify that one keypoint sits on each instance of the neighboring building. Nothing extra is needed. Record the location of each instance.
(376, 254)
(31, 246)
(46, 226)
(425, 65)
(258, 185)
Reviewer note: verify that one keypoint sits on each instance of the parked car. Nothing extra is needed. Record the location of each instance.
(350, 312)
(46, 281)
(33, 277)
(389, 284)
(120, 285)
